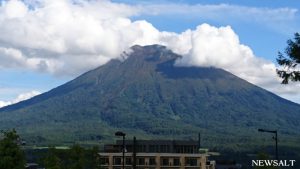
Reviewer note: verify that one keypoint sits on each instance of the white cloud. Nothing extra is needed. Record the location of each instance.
(57, 35)
(15, 9)
(15, 58)
(217, 11)
(65, 37)
(220, 47)
(21, 97)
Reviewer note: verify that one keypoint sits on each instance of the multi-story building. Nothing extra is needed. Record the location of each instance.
(155, 154)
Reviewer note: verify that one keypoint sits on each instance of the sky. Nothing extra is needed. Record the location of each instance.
(45, 43)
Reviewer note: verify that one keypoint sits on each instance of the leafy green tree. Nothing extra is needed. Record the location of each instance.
(77, 157)
(52, 161)
(95, 163)
(11, 155)
(291, 61)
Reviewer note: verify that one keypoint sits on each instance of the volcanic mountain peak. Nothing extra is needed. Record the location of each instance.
(147, 95)
(156, 53)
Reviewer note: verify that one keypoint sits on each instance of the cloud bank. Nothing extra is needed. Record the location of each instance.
(21, 97)
(67, 38)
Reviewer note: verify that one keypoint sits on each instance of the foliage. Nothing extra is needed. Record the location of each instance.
(52, 161)
(290, 61)
(76, 157)
(95, 160)
(11, 155)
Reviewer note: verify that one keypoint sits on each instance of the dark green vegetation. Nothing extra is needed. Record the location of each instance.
(76, 157)
(290, 61)
(11, 155)
(147, 96)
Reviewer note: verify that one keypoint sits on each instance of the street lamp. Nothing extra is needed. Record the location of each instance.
(120, 133)
(275, 138)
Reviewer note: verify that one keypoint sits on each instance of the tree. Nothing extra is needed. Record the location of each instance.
(52, 161)
(77, 157)
(95, 160)
(290, 62)
(11, 155)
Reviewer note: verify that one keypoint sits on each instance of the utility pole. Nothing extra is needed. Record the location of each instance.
(134, 153)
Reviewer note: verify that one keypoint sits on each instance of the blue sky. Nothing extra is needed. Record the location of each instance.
(262, 25)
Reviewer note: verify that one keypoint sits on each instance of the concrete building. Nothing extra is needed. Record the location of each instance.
(155, 154)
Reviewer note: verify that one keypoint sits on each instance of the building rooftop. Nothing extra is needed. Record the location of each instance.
(160, 142)
(155, 146)
(154, 154)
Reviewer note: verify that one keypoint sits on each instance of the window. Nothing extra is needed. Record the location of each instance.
(164, 148)
(128, 161)
(141, 148)
(117, 160)
(104, 161)
(161, 149)
(140, 161)
(152, 148)
(177, 149)
(176, 162)
(152, 161)
(191, 161)
(164, 162)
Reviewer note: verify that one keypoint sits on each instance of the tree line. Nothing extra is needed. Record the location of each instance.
(12, 156)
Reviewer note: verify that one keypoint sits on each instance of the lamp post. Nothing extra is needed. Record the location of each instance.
(275, 138)
(120, 133)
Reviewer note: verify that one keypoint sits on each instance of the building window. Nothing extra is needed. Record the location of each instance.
(164, 162)
(152, 161)
(141, 161)
(176, 162)
(191, 161)
(152, 149)
(128, 161)
(164, 148)
(104, 161)
(141, 148)
(117, 160)
(177, 149)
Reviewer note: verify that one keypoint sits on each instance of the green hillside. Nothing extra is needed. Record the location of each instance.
(146, 95)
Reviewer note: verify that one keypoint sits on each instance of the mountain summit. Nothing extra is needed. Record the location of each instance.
(148, 96)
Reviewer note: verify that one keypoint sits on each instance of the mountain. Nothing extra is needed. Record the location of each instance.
(147, 96)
